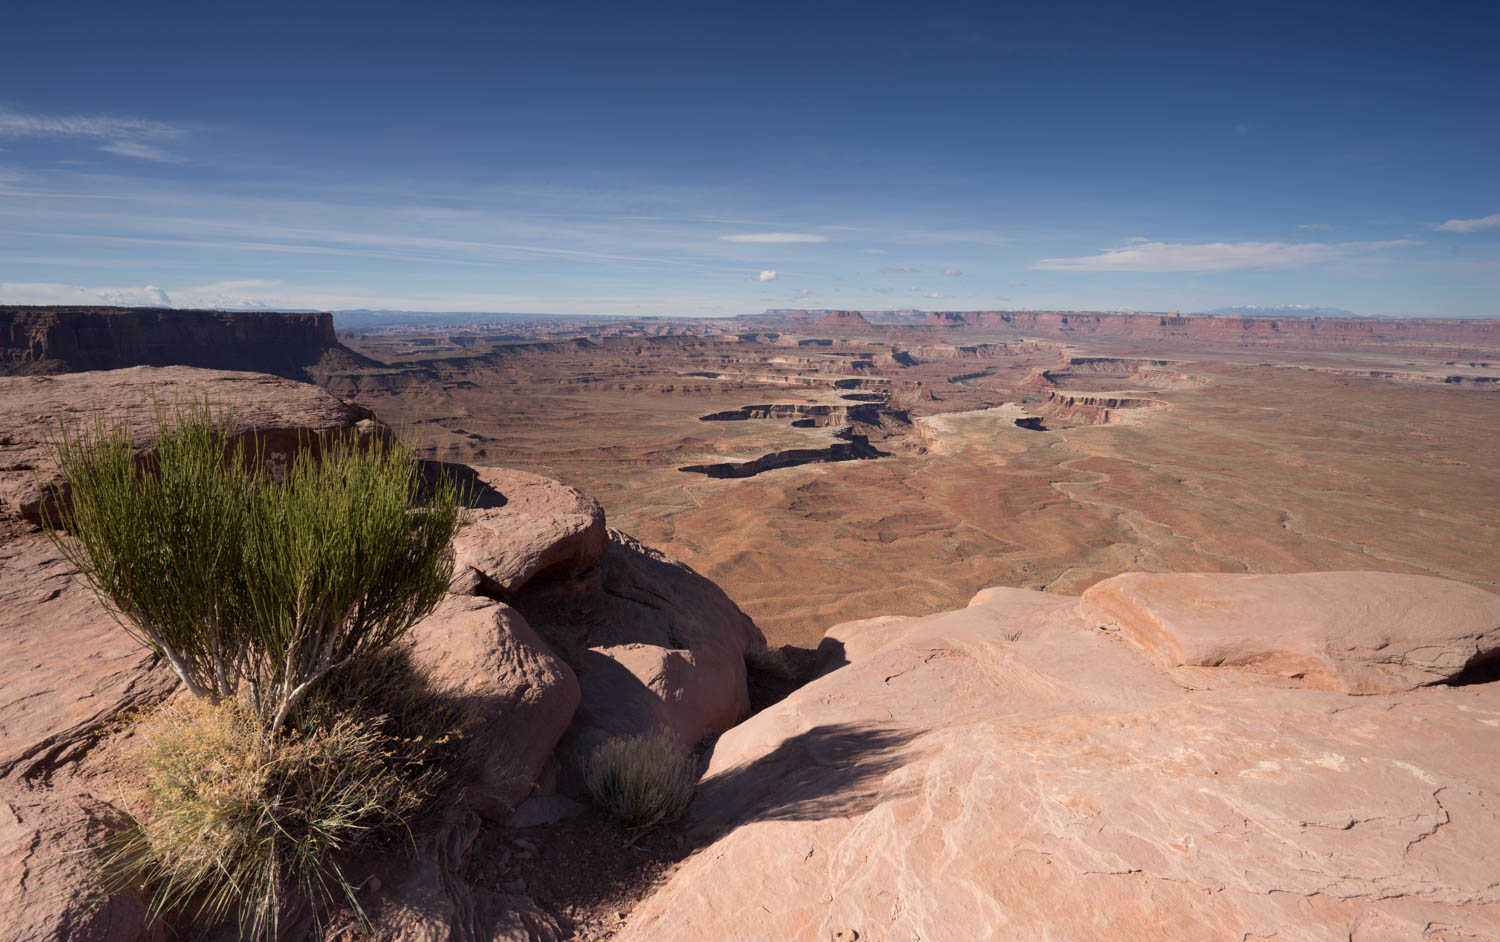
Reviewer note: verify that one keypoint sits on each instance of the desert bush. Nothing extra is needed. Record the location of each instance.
(769, 661)
(644, 779)
(243, 583)
(234, 821)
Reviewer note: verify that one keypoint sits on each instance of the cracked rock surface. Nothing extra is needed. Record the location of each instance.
(1021, 769)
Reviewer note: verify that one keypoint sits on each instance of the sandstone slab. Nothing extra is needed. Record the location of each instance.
(1011, 771)
(1359, 632)
(68, 667)
(47, 892)
(280, 411)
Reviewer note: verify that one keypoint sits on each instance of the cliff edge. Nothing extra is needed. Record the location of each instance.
(45, 340)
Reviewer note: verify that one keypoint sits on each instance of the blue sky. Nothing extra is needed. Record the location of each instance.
(717, 158)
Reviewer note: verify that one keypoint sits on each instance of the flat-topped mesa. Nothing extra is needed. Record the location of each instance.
(845, 320)
(45, 340)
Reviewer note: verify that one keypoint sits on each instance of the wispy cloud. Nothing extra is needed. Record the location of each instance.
(934, 294)
(1215, 256)
(126, 135)
(1471, 225)
(141, 151)
(1313, 225)
(16, 124)
(775, 238)
(952, 271)
(766, 274)
(896, 270)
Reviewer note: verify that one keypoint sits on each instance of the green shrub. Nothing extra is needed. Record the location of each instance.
(644, 779)
(769, 661)
(233, 821)
(246, 584)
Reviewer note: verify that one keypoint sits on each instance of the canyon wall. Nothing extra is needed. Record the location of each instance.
(44, 340)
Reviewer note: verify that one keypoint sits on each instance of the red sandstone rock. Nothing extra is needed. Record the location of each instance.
(653, 643)
(1010, 771)
(543, 525)
(47, 891)
(1358, 632)
(521, 694)
(67, 667)
(281, 412)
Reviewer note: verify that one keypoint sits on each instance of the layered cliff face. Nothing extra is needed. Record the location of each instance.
(42, 340)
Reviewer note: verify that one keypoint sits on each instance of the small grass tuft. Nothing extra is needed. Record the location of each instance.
(645, 779)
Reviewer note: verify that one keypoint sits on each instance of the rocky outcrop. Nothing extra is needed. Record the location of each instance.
(1355, 632)
(556, 630)
(279, 412)
(68, 668)
(1025, 768)
(539, 526)
(45, 893)
(518, 696)
(72, 339)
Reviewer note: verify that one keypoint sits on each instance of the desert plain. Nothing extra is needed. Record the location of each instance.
(830, 466)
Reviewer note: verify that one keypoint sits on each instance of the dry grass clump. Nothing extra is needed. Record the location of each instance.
(645, 779)
(234, 821)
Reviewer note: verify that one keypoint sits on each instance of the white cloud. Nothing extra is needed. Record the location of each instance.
(875, 252)
(1214, 256)
(1471, 225)
(952, 271)
(46, 293)
(766, 274)
(141, 151)
(246, 295)
(1313, 225)
(894, 270)
(774, 237)
(15, 124)
(934, 294)
(801, 294)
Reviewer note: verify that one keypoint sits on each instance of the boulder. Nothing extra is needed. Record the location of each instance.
(47, 891)
(520, 695)
(67, 667)
(281, 412)
(1358, 632)
(536, 525)
(1011, 771)
(653, 643)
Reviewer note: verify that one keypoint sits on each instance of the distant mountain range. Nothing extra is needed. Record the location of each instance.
(1285, 310)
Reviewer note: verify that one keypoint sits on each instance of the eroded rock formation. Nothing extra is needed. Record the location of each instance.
(556, 630)
(1039, 767)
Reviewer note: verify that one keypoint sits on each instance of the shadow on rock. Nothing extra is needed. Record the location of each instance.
(835, 770)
